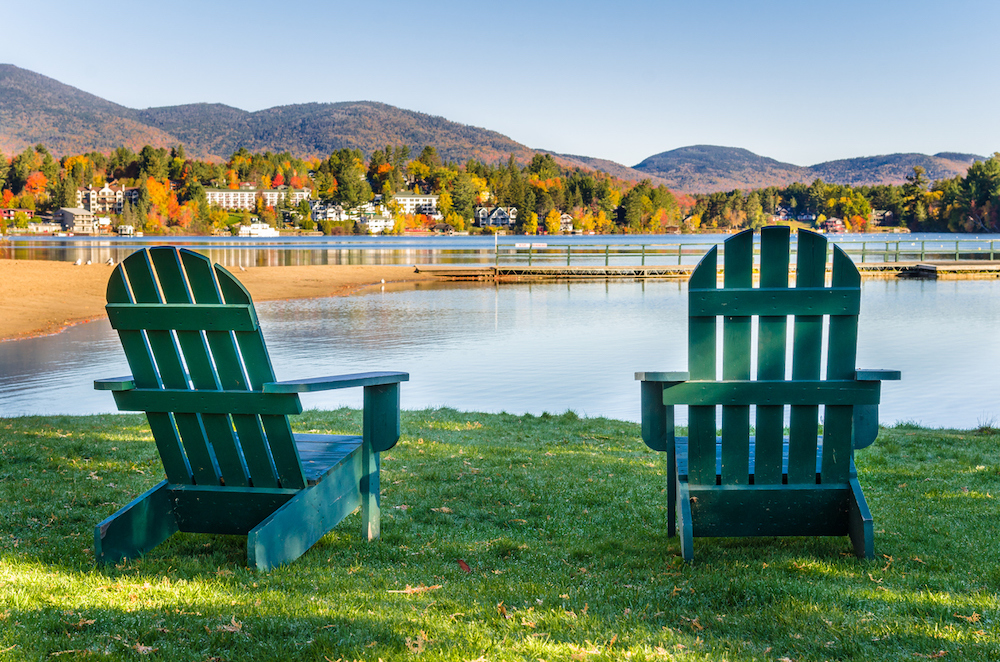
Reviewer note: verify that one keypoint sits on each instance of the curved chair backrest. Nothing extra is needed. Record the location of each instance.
(198, 360)
(776, 304)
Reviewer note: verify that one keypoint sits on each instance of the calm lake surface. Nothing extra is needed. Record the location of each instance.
(547, 348)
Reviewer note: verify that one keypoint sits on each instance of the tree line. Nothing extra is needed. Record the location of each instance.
(171, 193)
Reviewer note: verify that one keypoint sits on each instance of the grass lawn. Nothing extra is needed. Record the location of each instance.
(504, 537)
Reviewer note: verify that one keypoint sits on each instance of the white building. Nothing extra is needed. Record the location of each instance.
(246, 198)
(258, 230)
(496, 216)
(107, 199)
(411, 203)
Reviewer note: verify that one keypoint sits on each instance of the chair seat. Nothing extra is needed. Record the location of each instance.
(322, 452)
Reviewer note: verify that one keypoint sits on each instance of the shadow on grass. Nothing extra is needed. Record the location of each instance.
(560, 522)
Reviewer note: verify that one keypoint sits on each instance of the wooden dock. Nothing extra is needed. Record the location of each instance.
(964, 269)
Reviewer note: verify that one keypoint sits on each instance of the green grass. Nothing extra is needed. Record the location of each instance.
(560, 521)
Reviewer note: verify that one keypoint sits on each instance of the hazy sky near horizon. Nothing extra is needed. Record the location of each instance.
(800, 82)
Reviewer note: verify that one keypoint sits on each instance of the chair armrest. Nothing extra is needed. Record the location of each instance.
(338, 381)
(877, 375)
(125, 383)
(667, 377)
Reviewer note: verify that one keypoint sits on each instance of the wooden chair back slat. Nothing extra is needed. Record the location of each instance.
(226, 353)
(736, 343)
(773, 459)
(772, 332)
(277, 429)
(144, 373)
(807, 352)
(142, 280)
(249, 431)
(702, 365)
(218, 430)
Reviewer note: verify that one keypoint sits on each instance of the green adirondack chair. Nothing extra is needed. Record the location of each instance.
(201, 373)
(757, 481)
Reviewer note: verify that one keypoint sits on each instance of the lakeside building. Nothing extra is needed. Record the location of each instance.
(246, 198)
(257, 230)
(9, 214)
(76, 220)
(496, 217)
(107, 199)
(412, 204)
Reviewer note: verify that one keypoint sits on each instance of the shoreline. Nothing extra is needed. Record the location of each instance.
(42, 297)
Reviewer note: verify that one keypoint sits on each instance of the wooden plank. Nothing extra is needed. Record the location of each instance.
(335, 382)
(232, 511)
(187, 402)
(291, 530)
(771, 343)
(277, 431)
(702, 365)
(136, 528)
(841, 363)
(796, 393)
(217, 429)
(229, 369)
(140, 360)
(776, 301)
(770, 510)
(321, 452)
(807, 347)
(736, 350)
(182, 317)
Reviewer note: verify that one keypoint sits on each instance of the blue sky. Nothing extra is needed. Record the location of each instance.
(801, 82)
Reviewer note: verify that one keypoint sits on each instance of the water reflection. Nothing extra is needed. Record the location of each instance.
(547, 347)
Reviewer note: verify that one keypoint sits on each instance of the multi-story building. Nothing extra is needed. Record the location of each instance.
(107, 199)
(496, 216)
(76, 220)
(246, 198)
(412, 203)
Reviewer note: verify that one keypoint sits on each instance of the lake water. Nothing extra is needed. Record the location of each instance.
(547, 347)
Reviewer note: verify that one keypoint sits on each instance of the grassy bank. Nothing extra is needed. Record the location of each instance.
(504, 537)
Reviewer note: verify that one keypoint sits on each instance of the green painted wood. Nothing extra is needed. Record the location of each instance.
(292, 529)
(702, 365)
(878, 375)
(170, 368)
(770, 510)
(841, 362)
(115, 383)
(145, 375)
(218, 432)
(338, 381)
(734, 485)
(277, 431)
(861, 526)
(182, 317)
(662, 376)
(771, 344)
(381, 426)
(225, 510)
(207, 402)
(801, 393)
(775, 301)
(225, 352)
(232, 462)
(658, 434)
(736, 339)
(807, 348)
(138, 527)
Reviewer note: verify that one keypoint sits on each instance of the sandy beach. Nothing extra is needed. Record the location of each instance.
(38, 297)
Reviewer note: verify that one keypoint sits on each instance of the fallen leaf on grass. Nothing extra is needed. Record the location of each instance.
(464, 566)
(410, 590)
(932, 656)
(971, 619)
(232, 626)
(143, 650)
(418, 643)
(443, 509)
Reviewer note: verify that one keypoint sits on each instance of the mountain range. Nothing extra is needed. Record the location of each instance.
(38, 109)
